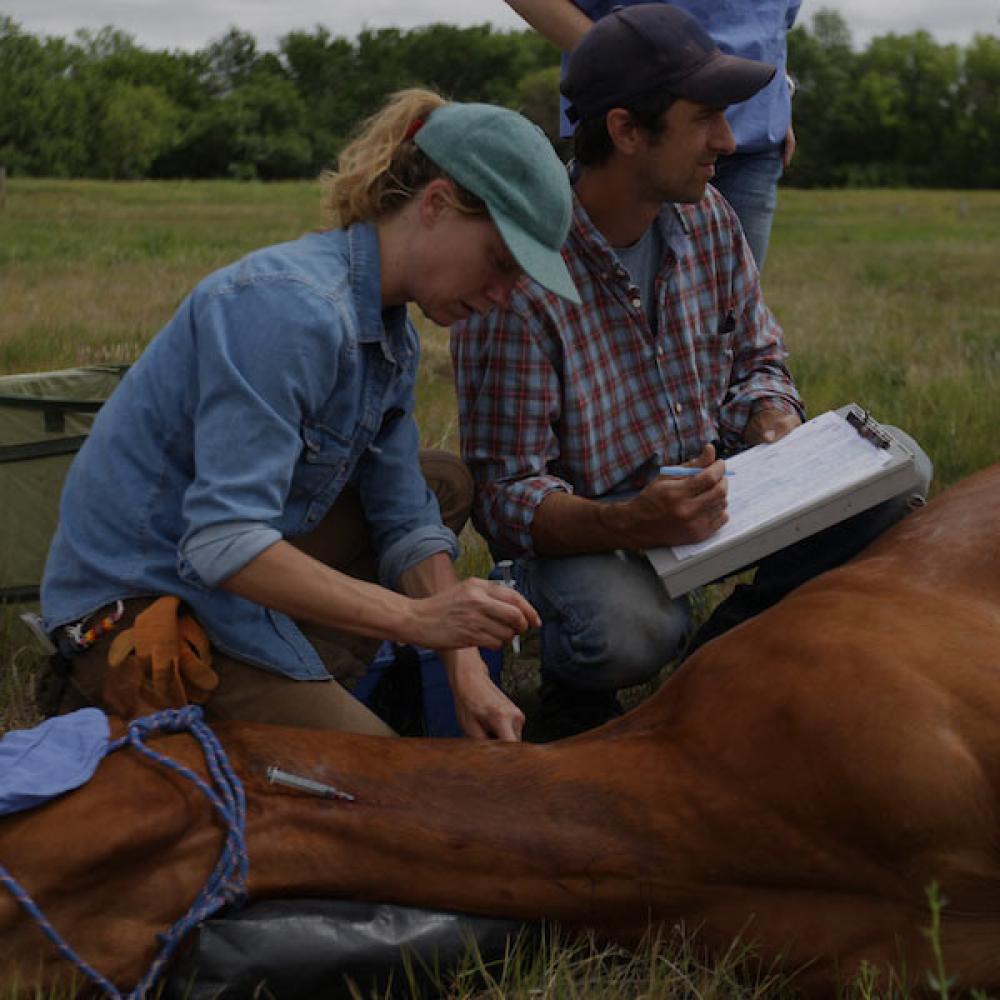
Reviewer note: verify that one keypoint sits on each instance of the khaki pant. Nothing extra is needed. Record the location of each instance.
(251, 694)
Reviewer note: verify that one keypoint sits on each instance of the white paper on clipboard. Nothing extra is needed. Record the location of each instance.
(821, 473)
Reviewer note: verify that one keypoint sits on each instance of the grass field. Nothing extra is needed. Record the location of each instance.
(887, 298)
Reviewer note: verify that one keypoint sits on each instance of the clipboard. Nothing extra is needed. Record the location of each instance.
(889, 470)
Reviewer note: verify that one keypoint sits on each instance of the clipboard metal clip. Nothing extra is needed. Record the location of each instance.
(866, 425)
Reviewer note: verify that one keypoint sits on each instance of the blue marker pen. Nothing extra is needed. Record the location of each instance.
(685, 471)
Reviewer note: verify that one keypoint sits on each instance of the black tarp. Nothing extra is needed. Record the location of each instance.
(308, 948)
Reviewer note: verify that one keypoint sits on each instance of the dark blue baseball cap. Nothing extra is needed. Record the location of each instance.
(649, 48)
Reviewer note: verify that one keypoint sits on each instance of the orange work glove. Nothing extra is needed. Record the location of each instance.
(163, 661)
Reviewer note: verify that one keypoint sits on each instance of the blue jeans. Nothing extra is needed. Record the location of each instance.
(749, 182)
(608, 622)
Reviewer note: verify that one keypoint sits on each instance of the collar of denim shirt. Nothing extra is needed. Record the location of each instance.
(365, 277)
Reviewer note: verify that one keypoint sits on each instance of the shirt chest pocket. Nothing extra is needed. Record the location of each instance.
(714, 355)
(324, 464)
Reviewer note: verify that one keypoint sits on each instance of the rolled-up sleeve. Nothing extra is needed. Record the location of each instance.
(414, 548)
(509, 402)
(215, 553)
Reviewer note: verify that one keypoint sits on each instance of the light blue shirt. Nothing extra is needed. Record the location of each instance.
(642, 261)
(278, 382)
(753, 29)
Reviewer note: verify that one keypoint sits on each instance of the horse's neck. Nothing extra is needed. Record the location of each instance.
(953, 544)
(642, 806)
(512, 830)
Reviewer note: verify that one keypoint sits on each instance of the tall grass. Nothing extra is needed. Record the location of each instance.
(556, 965)
(887, 298)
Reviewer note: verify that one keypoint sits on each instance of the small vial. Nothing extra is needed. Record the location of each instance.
(506, 567)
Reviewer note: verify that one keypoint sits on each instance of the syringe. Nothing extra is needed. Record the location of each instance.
(506, 567)
(276, 776)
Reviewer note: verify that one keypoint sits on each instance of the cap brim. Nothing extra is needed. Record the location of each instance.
(726, 80)
(540, 262)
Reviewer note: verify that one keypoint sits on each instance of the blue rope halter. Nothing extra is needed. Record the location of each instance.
(227, 882)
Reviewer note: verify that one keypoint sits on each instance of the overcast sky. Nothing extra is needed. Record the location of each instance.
(189, 24)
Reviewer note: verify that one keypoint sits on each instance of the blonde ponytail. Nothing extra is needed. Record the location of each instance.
(382, 167)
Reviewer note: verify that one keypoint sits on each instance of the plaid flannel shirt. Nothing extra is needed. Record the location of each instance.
(586, 399)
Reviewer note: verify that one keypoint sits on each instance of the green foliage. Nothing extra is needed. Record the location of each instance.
(318, 64)
(40, 129)
(138, 124)
(907, 111)
(230, 62)
(100, 106)
(978, 130)
(538, 98)
(258, 129)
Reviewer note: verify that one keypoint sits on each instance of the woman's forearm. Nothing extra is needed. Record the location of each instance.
(286, 579)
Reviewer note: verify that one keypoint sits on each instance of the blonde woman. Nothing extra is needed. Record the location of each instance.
(260, 460)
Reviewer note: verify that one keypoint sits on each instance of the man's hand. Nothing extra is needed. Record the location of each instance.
(483, 710)
(472, 613)
(678, 511)
(768, 426)
(788, 149)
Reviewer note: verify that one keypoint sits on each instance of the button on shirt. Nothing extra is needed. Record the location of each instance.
(586, 399)
(278, 383)
(642, 262)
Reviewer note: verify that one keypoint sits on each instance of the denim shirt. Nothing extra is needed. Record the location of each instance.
(277, 383)
(753, 29)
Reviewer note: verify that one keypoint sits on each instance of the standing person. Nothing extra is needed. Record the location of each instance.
(567, 412)
(762, 125)
(260, 460)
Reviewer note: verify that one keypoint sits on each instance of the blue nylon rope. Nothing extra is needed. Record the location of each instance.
(227, 882)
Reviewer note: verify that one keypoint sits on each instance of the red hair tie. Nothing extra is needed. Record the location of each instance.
(414, 127)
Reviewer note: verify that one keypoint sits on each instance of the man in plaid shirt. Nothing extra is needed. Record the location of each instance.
(568, 411)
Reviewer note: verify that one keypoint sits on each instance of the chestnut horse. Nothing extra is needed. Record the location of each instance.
(799, 783)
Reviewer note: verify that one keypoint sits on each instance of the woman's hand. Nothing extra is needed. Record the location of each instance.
(471, 613)
(483, 710)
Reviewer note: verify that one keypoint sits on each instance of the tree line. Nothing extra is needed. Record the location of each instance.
(906, 110)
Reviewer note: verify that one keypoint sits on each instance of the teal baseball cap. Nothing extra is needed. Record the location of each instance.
(508, 162)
